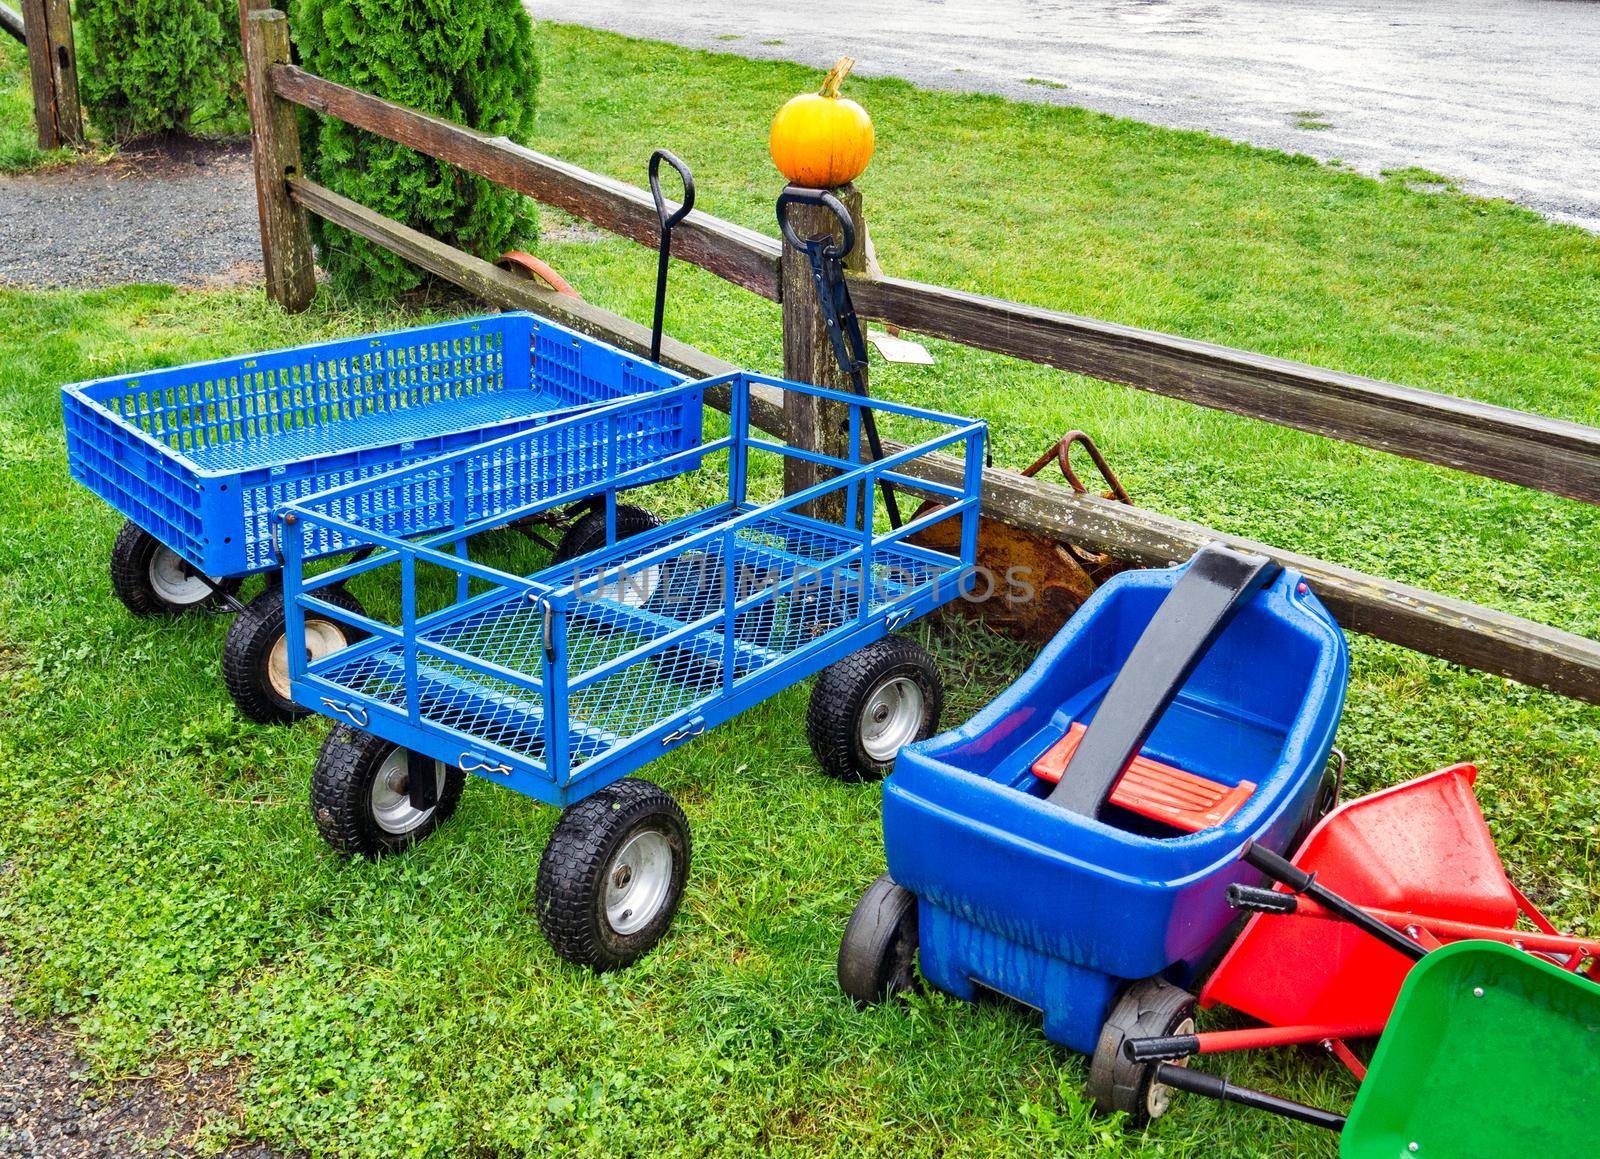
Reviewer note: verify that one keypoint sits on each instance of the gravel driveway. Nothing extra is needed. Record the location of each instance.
(1502, 96)
(181, 213)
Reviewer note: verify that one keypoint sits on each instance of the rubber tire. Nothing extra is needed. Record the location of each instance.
(879, 948)
(248, 648)
(588, 531)
(131, 553)
(570, 895)
(833, 723)
(341, 788)
(1147, 1008)
(1325, 801)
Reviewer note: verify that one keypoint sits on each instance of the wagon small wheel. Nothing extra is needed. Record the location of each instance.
(526, 264)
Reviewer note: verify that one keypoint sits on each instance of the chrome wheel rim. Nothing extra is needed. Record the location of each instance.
(322, 637)
(390, 798)
(1159, 1097)
(638, 880)
(175, 581)
(891, 718)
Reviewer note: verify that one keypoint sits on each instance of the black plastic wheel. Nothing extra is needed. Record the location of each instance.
(879, 950)
(153, 580)
(613, 874)
(255, 661)
(1148, 1008)
(588, 531)
(1326, 800)
(869, 705)
(360, 795)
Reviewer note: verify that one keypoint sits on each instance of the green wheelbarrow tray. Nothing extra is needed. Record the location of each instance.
(1490, 1051)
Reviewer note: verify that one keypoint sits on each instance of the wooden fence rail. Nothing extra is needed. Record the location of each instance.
(1548, 454)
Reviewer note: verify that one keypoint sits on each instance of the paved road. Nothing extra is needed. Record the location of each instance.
(1502, 96)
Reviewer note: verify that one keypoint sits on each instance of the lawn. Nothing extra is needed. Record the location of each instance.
(162, 885)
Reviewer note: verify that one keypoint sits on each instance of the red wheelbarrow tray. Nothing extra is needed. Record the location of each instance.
(1420, 848)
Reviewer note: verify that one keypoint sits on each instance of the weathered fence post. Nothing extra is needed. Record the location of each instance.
(275, 145)
(53, 67)
(813, 424)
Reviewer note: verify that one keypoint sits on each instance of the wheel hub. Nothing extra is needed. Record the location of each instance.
(174, 580)
(1159, 1097)
(322, 637)
(892, 717)
(390, 799)
(639, 881)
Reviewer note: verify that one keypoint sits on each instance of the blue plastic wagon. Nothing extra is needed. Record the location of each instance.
(1071, 845)
(561, 683)
(199, 457)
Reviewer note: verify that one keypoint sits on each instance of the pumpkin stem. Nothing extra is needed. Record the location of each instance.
(835, 77)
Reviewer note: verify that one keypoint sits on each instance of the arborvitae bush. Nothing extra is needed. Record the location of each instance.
(152, 65)
(468, 61)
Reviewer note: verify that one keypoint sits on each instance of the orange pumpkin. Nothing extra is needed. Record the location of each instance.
(822, 139)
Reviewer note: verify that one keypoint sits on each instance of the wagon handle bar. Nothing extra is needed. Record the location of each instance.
(664, 249)
(1261, 901)
(1299, 881)
(800, 195)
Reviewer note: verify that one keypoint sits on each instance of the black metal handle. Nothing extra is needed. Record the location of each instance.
(1261, 901)
(1160, 1049)
(800, 195)
(668, 221)
(1276, 867)
(1342, 908)
(1200, 1083)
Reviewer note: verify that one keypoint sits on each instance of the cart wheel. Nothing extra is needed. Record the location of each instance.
(153, 580)
(880, 944)
(613, 872)
(360, 797)
(255, 657)
(1326, 800)
(869, 705)
(1149, 1008)
(588, 531)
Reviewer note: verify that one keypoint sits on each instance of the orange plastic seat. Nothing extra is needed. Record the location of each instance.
(1155, 790)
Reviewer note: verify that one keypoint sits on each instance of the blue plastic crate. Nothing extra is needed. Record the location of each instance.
(201, 455)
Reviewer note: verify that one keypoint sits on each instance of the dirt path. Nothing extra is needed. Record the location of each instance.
(182, 213)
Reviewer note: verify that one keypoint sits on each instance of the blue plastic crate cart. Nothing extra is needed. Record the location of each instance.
(199, 457)
(561, 683)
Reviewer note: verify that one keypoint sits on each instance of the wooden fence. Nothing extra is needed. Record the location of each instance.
(45, 26)
(1551, 455)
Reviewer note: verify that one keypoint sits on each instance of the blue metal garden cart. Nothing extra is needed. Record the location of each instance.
(561, 683)
(198, 457)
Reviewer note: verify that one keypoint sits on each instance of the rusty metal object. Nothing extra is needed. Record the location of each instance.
(1031, 583)
(525, 263)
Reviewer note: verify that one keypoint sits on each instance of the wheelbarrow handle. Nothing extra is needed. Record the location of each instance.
(672, 219)
(1261, 901)
(800, 195)
(1305, 884)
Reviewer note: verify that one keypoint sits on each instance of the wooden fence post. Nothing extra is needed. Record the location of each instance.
(813, 424)
(275, 145)
(53, 68)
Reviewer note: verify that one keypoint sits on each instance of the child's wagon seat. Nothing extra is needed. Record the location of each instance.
(1094, 763)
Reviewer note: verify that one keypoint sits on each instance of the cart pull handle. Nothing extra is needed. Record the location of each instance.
(833, 295)
(1261, 901)
(352, 712)
(1299, 881)
(668, 220)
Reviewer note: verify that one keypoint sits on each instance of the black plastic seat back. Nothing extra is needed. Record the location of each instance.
(1189, 621)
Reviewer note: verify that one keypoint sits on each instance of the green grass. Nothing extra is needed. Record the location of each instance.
(19, 144)
(161, 883)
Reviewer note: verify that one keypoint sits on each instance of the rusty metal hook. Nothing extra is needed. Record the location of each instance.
(1062, 454)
